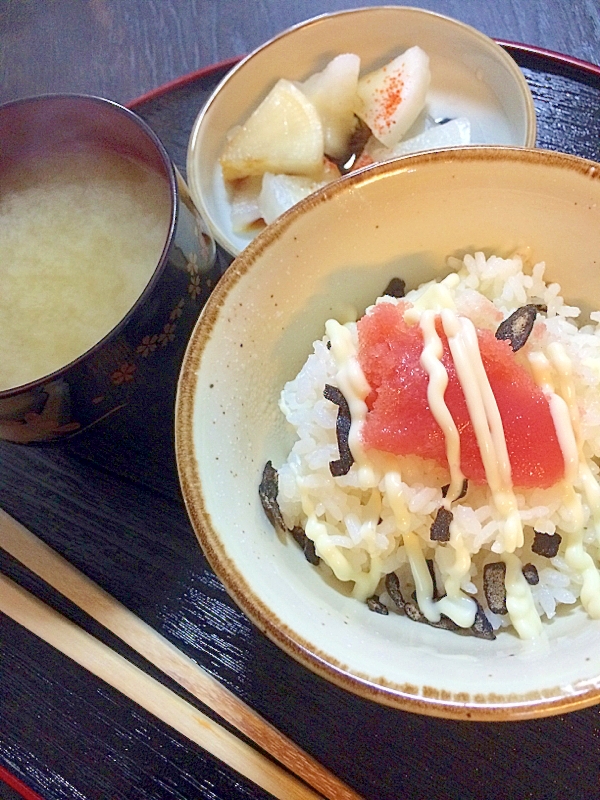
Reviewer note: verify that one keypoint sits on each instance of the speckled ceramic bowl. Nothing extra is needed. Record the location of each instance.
(472, 76)
(340, 247)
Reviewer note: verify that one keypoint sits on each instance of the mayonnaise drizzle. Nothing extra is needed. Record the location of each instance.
(559, 410)
(487, 425)
(576, 556)
(436, 301)
(567, 421)
(562, 364)
(421, 576)
(456, 604)
(365, 583)
(568, 428)
(460, 608)
(436, 388)
(519, 600)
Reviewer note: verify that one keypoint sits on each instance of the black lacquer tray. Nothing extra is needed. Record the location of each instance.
(110, 503)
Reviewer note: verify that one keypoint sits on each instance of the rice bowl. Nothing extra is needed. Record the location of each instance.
(346, 243)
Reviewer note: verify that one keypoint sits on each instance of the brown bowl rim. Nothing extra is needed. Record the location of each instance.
(430, 701)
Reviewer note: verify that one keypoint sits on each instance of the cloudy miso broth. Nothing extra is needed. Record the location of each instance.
(80, 236)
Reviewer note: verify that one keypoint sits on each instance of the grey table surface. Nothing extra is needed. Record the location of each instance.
(123, 48)
(66, 737)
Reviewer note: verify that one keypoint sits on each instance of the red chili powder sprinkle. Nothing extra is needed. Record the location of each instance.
(390, 98)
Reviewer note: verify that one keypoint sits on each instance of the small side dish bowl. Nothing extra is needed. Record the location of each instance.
(336, 250)
(471, 76)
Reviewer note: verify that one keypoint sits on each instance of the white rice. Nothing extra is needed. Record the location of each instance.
(489, 290)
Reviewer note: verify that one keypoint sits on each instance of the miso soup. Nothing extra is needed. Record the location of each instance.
(80, 235)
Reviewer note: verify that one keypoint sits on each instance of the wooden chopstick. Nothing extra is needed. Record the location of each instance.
(59, 573)
(99, 659)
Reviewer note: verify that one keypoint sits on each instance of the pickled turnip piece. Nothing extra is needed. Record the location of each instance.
(333, 93)
(284, 134)
(244, 203)
(280, 192)
(455, 133)
(392, 97)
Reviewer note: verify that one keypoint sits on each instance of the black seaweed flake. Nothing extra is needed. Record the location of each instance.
(531, 574)
(414, 612)
(267, 491)
(494, 587)
(463, 491)
(482, 627)
(518, 326)
(376, 605)
(342, 430)
(307, 545)
(392, 585)
(431, 568)
(546, 544)
(440, 527)
(310, 553)
(395, 288)
(356, 145)
(299, 535)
